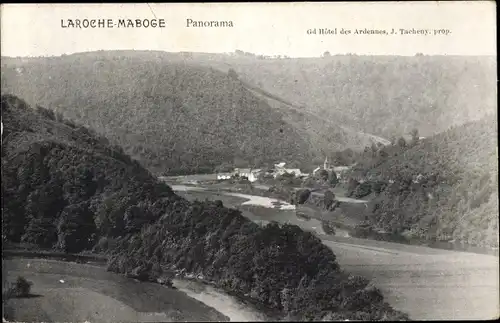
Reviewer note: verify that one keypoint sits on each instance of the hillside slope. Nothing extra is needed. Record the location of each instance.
(322, 133)
(57, 176)
(166, 115)
(65, 188)
(172, 115)
(386, 96)
(444, 187)
(382, 95)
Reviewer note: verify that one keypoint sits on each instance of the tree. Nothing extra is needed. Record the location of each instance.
(401, 142)
(326, 54)
(328, 199)
(76, 228)
(374, 149)
(352, 184)
(414, 135)
(323, 174)
(302, 195)
(328, 227)
(333, 178)
(21, 288)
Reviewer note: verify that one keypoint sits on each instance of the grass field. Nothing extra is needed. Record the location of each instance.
(89, 293)
(227, 200)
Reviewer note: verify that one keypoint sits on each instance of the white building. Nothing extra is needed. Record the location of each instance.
(280, 170)
(251, 174)
(224, 176)
(339, 170)
(326, 166)
(295, 171)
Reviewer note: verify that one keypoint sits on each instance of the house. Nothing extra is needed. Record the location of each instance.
(294, 171)
(339, 170)
(224, 176)
(280, 170)
(251, 174)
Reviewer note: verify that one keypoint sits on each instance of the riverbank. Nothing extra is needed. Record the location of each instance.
(427, 283)
(66, 291)
(345, 218)
(230, 306)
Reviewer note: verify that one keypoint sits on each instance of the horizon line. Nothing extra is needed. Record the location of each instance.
(253, 55)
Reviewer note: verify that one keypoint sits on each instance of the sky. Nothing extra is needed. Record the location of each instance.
(260, 28)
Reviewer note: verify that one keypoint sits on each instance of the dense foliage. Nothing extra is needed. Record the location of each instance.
(382, 95)
(64, 187)
(173, 116)
(300, 108)
(284, 267)
(439, 188)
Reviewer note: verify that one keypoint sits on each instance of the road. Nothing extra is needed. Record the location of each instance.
(424, 282)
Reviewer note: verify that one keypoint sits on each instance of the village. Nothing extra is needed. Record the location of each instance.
(280, 169)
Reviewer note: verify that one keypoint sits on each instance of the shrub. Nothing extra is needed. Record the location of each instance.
(302, 196)
(21, 288)
(328, 227)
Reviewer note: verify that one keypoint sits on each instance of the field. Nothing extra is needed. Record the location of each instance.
(426, 283)
(229, 201)
(73, 292)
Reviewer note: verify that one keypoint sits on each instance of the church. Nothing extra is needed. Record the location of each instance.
(326, 166)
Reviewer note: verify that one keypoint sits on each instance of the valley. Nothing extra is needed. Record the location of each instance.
(121, 153)
(427, 283)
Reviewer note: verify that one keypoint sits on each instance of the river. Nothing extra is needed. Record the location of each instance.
(229, 306)
(424, 282)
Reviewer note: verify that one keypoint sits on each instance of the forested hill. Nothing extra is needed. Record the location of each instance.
(172, 115)
(444, 187)
(381, 95)
(65, 188)
(469, 148)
